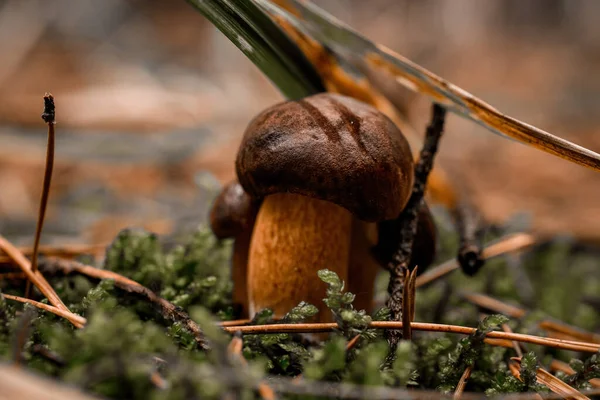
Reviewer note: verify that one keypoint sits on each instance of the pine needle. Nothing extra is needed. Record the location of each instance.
(75, 319)
(35, 277)
(507, 244)
(553, 383)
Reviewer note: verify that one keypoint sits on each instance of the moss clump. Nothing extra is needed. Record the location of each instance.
(129, 350)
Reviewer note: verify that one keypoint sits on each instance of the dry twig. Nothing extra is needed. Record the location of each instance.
(408, 220)
(49, 116)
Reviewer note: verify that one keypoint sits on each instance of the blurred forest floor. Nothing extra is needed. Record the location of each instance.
(149, 95)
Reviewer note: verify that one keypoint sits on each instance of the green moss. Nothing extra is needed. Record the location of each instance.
(127, 341)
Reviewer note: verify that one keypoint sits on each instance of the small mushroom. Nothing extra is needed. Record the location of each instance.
(232, 216)
(335, 174)
(318, 164)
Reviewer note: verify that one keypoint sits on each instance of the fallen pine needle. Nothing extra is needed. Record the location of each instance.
(557, 365)
(75, 319)
(35, 277)
(497, 306)
(460, 387)
(570, 331)
(507, 244)
(556, 329)
(418, 326)
(551, 382)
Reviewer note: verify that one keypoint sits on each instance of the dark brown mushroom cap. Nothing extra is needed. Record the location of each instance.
(424, 244)
(233, 211)
(329, 147)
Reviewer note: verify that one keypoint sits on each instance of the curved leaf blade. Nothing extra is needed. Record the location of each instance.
(358, 50)
(264, 43)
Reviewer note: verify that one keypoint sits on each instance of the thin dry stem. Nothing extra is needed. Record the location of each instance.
(75, 319)
(460, 387)
(507, 244)
(49, 117)
(419, 326)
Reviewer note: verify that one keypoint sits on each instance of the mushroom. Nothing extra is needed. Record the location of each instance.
(372, 245)
(322, 166)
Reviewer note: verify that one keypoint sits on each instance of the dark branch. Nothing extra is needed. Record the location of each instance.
(400, 262)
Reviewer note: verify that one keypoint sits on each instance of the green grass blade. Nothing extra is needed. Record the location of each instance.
(350, 46)
(264, 43)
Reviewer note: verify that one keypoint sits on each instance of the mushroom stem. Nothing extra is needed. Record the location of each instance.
(363, 267)
(294, 237)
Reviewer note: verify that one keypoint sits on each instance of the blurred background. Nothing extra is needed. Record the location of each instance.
(152, 101)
